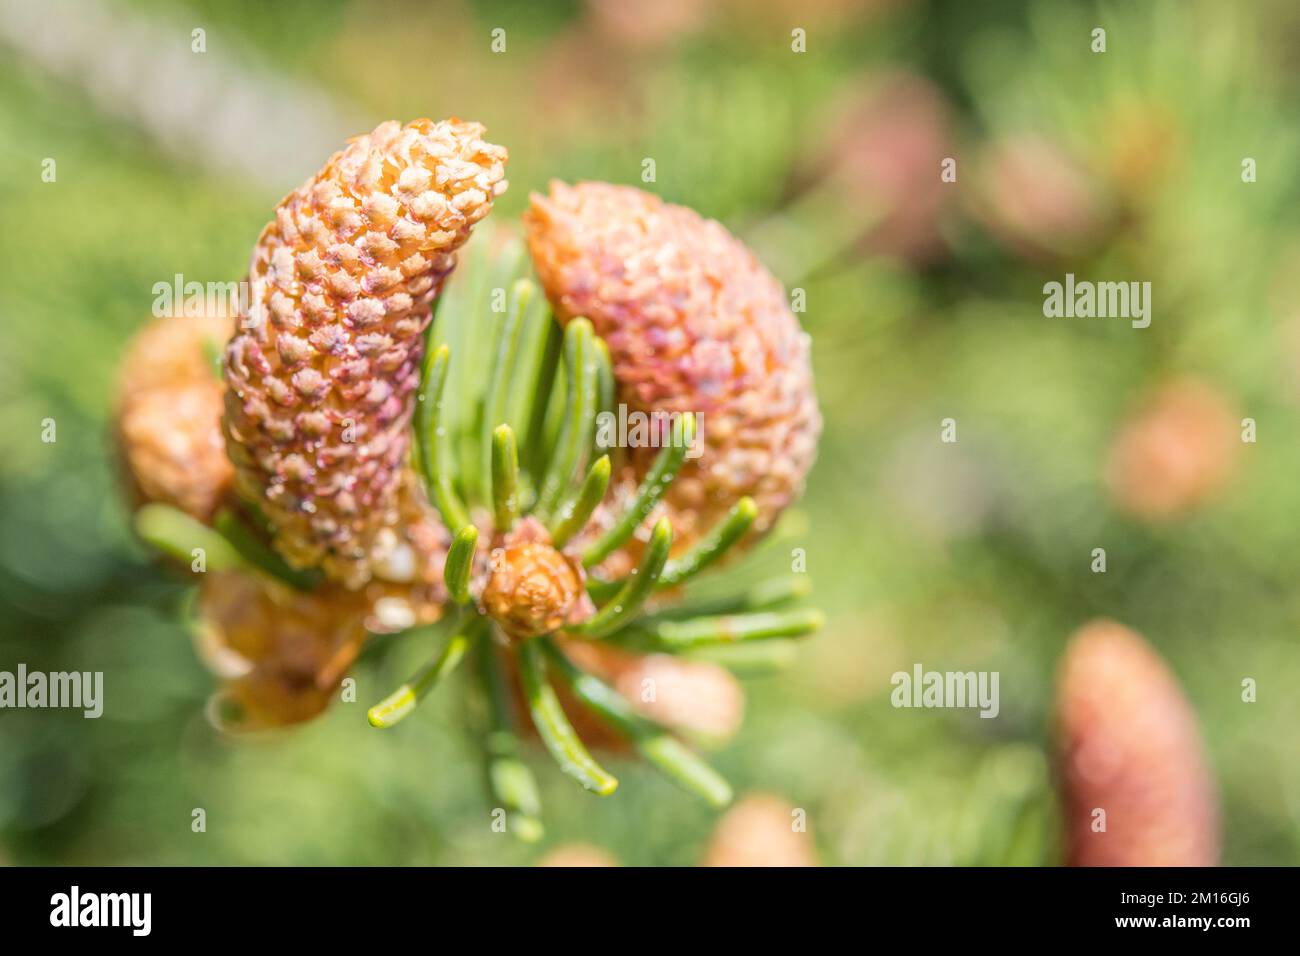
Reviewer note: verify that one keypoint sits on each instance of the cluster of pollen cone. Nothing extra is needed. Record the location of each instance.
(399, 431)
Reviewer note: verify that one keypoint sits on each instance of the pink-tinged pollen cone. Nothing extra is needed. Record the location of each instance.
(1130, 758)
(324, 368)
(694, 323)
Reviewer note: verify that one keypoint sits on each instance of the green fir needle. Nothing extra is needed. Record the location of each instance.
(574, 516)
(667, 754)
(554, 728)
(459, 564)
(656, 482)
(624, 606)
(400, 703)
(505, 477)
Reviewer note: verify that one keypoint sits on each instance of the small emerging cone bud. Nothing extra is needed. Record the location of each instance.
(760, 830)
(282, 654)
(1176, 453)
(532, 588)
(168, 415)
(697, 697)
(1131, 758)
(694, 324)
(324, 368)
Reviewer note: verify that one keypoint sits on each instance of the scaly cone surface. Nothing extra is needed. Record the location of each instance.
(694, 323)
(324, 368)
(1129, 746)
(533, 588)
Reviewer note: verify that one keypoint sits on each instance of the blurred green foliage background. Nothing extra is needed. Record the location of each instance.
(924, 302)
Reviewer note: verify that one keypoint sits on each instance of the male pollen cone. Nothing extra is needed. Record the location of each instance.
(694, 323)
(168, 415)
(760, 831)
(1129, 745)
(324, 368)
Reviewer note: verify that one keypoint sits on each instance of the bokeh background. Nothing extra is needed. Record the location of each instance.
(924, 302)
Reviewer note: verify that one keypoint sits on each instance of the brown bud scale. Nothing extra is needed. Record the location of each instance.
(531, 587)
